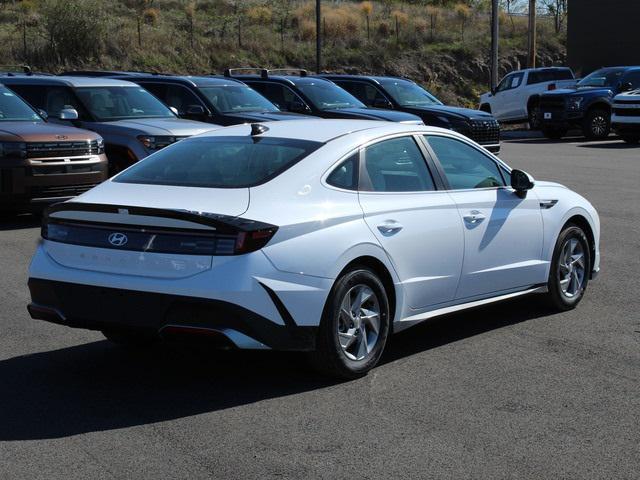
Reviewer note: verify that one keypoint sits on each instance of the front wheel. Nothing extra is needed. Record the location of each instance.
(354, 326)
(596, 125)
(570, 269)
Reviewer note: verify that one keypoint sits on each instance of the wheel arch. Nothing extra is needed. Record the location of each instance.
(598, 104)
(485, 107)
(533, 100)
(582, 222)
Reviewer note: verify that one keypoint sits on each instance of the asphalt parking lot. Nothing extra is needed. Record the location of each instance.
(507, 391)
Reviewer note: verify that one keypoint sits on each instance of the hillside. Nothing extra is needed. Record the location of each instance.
(445, 47)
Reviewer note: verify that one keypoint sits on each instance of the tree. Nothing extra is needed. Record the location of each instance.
(463, 13)
(26, 9)
(432, 13)
(367, 9)
(558, 9)
(144, 12)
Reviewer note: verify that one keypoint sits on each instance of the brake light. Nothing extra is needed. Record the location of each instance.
(551, 86)
(254, 240)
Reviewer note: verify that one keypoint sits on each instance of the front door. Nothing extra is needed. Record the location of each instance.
(418, 226)
(503, 232)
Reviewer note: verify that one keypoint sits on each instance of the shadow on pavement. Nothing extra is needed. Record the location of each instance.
(98, 386)
(619, 145)
(18, 222)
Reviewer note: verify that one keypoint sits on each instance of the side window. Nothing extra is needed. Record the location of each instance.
(345, 175)
(464, 166)
(281, 95)
(159, 90)
(59, 98)
(516, 80)
(633, 78)
(504, 84)
(32, 94)
(367, 94)
(180, 98)
(396, 165)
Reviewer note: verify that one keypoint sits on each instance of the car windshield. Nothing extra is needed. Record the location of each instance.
(605, 77)
(14, 109)
(328, 96)
(118, 103)
(408, 94)
(234, 98)
(219, 162)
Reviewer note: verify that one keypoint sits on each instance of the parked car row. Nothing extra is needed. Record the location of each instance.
(551, 100)
(129, 115)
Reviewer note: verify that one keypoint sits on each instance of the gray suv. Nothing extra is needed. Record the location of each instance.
(131, 120)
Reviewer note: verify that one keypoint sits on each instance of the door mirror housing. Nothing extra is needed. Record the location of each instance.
(69, 114)
(43, 113)
(298, 107)
(174, 110)
(626, 87)
(382, 103)
(521, 182)
(196, 110)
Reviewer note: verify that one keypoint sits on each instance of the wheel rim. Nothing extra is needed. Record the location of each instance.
(599, 125)
(571, 267)
(359, 322)
(533, 118)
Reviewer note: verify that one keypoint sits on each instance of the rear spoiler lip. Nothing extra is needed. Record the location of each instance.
(221, 223)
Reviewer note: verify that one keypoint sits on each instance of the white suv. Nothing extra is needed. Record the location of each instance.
(515, 99)
(625, 118)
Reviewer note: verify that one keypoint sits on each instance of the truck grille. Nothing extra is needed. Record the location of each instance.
(61, 191)
(62, 149)
(485, 132)
(550, 103)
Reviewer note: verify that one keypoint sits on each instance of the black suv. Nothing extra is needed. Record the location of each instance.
(297, 92)
(588, 105)
(220, 100)
(407, 96)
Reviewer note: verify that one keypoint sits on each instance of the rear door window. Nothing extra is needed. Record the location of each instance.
(219, 162)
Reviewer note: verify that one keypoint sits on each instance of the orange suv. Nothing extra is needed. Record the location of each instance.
(40, 162)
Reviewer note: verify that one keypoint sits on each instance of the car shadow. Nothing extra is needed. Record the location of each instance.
(19, 222)
(99, 386)
(620, 145)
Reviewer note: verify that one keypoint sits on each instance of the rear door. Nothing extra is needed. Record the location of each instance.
(503, 232)
(417, 225)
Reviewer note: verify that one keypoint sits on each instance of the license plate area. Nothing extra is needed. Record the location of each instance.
(548, 115)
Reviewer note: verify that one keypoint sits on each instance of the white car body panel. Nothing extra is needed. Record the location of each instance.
(626, 120)
(436, 263)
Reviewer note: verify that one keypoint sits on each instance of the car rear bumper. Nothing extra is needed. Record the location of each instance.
(101, 308)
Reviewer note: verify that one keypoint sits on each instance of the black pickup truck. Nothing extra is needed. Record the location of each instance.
(588, 106)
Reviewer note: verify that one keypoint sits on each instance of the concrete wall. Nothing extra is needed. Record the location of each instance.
(603, 33)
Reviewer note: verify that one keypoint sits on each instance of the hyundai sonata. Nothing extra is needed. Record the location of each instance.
(318, 235)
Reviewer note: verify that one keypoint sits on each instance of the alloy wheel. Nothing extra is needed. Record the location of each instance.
(599, 125)
(571, 267)
(359, 322)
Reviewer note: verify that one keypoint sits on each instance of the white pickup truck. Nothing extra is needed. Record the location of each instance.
(515, 99)
(625, 119)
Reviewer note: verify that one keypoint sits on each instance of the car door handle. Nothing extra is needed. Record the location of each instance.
(474, 217)
(390, 227)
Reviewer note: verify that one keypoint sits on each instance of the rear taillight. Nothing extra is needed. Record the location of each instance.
(251, 241)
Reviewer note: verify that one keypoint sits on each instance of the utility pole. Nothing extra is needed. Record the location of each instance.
(494, 44)
(318, 38)
(532, 34)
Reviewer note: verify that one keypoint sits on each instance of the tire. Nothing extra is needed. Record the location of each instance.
(554, 133)
(360, 288)
(534, 117)
(563, 296)
(130, 339)
(596, 124)
(631, 139)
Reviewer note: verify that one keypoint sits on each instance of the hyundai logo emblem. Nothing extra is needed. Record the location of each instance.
(118, 239)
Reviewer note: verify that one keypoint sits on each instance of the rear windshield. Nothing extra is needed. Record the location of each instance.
(539, 76)
(219, 162)
(13, 109)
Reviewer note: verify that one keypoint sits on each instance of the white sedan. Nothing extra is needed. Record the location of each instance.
(317, 235)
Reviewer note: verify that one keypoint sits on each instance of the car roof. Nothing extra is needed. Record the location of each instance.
(374, 78)
(319, 129)
(286, 79)
(195, 81)
(68, 81)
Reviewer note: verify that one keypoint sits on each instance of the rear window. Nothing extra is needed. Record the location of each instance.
(219, 162)
(540, 76)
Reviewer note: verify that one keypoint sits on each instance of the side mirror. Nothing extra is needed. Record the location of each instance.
(521, 182)
(298, 107)
(626, 87)
(174, 110)
(69, 114)
(195, 110)
(43, 114)
(382, 103)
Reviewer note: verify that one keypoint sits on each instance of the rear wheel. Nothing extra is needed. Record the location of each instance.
(130, 339)
(554, 133)
(354, 327)
(570, 269)
(597, 124)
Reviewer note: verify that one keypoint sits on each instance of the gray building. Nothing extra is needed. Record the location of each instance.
(603, 33)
